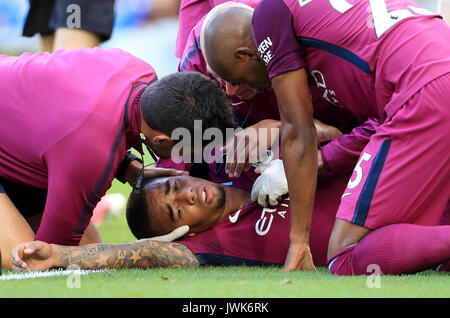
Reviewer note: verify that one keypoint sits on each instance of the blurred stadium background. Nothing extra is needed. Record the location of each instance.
(145, 28)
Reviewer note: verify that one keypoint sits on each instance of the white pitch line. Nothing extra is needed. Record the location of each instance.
(49, 273)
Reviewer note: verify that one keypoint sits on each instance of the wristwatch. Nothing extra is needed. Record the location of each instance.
(121, 171)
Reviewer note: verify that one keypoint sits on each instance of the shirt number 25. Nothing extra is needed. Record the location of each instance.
(383, 19)
(358, 171)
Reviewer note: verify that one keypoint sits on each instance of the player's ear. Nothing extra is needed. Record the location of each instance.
(245, 53)
(162, 139)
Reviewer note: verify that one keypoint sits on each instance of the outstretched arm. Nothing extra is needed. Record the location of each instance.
(142, 254)
(299, 146)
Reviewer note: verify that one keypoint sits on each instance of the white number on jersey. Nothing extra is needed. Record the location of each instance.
(383, 19)
(359, 171)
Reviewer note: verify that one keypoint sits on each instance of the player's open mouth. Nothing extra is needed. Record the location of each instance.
(206, 195)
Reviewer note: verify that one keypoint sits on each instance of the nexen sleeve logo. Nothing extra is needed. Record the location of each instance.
(264, 50)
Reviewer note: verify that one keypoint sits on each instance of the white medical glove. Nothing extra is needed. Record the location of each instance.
(264, 163)
(172, 236)
(271, 184)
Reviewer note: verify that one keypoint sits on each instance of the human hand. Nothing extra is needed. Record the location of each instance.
(153, 172)
(135, 167)
(299, 257)
(245, 148)
(270, 185)
(172, 236)
(35, 255)
(326, 132)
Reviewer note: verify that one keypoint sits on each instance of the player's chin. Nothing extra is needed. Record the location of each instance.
(246, 95)
(220, 197)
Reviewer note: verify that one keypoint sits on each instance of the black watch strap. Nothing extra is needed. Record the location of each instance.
(121, 171)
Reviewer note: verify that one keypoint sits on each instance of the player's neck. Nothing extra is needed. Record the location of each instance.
(235, 199)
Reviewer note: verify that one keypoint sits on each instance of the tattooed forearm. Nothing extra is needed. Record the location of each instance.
(142, 254)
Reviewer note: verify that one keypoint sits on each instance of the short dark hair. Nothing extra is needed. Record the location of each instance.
(138, 218)
(178, 99)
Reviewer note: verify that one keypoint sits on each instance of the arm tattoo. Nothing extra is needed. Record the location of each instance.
(142, 254)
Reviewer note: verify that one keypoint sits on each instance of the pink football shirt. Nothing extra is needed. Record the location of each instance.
(63, 128)
(364, 55)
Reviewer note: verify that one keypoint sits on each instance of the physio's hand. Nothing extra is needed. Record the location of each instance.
(270, 185)
(35, 255)
(326, 132)
(134, 168)
(299, 257)
(153, 172)
(245, 148)
(172, 236)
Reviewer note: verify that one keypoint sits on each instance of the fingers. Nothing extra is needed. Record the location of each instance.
(240, 153)
(326, 132)
(172, 236)
(17, 269)
(259, 192)
(273, 200)
(263, 200)
(20, 253)
(245, 147)
(177, 233)
(247, 166)
(163, 172)
(16, 254)
(231, 157)
(299, 257)
(261, 168)
(266, 200)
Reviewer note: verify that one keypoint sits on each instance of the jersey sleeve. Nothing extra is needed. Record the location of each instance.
(192, 57)
(274, 35)
(77, 180)
(343, 153)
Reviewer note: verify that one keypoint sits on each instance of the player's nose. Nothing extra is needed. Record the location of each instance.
(187, 194)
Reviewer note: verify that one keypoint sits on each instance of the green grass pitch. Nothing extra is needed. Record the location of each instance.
(222, 282)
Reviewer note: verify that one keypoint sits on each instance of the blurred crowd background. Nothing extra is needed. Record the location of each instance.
(145, 28)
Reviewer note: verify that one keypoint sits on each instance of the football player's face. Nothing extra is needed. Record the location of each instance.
(184, 200)
(241, 90)
(246, 79)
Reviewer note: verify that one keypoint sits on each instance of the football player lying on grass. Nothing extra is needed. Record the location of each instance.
(227, 228)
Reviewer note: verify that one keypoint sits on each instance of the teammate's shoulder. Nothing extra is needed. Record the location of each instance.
(271, 10)
(110, 52)
(89, 53)
(119, 58)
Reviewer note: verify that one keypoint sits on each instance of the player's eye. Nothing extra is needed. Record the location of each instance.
(176, 186)
(179, 211)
